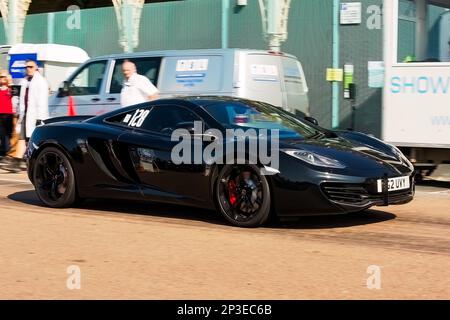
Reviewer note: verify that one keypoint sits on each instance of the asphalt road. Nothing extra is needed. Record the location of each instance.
(124, 250)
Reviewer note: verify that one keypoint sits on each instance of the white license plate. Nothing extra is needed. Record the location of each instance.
(394, 184)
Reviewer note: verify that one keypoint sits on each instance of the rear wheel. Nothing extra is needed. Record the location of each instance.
(243, 195)
(54, 179)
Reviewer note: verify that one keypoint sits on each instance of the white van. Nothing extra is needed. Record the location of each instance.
(56, 62)
(276, 78)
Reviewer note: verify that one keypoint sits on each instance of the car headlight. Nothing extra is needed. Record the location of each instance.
(315, 159)
(396, 150)
(399, 154)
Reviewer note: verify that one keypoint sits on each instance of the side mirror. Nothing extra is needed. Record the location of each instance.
(64, 89)
(312, 120)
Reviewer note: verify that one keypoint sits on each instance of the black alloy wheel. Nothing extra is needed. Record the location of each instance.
(54, 179)
(243, 195)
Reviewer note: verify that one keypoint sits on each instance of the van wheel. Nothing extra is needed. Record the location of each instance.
(54, 179)
(243, 195)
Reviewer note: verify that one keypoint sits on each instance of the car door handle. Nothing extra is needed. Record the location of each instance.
(111, 99)
(95, 99)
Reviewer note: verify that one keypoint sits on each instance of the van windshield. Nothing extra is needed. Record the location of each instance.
(260, 115)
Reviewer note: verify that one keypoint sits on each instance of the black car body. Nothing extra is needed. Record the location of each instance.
(107, 159)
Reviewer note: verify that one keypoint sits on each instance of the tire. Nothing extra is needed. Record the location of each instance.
(242, 195)
(54, 179)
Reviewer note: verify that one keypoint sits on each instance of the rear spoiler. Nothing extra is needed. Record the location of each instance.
(66, 119)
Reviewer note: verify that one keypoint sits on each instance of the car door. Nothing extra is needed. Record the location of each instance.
(150, 148)
(86, 87)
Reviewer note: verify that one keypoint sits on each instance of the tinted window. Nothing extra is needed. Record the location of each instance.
(148, 67)
(88, 81)
(161, 119)
(259, 115)
(165, 119)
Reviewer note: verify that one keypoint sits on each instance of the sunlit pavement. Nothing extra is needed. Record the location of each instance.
(154, 251)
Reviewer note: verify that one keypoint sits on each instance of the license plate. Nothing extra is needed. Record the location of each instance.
(394, 184)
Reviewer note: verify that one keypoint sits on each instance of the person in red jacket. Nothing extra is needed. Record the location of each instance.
(6, 112)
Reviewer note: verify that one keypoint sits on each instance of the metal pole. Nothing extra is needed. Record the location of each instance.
(13, 22)
(127, 14)
(225, 22)
(51, 27)
(421, 30)
(335, 95)
(353, 104)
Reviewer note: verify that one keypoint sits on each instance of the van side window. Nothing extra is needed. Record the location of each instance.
(148, 67)
(88, 81)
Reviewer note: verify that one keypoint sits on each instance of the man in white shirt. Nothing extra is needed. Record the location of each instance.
(136, 88)
(33, 105)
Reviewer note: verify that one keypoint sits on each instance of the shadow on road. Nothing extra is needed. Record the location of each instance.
(211, 216)
(132, 207)
(433, 184)
(336, 221)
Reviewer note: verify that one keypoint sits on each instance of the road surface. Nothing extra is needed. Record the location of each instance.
(124, 250)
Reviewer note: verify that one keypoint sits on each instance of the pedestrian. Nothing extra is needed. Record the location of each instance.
(6, 112)
(33, 109)
(33, 103)
(136, 88)
(16, 145)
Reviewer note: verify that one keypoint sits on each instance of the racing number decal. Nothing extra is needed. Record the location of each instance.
(137, 119)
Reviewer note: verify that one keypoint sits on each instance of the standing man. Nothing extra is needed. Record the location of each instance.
(33, 103)
(136, 88)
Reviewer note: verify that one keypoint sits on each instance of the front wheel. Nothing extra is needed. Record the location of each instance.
(243, 195)
(54, 179)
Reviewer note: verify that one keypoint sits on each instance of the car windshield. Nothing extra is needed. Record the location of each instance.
(259, 115)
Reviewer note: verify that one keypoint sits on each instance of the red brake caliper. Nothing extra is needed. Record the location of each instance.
(232, 192)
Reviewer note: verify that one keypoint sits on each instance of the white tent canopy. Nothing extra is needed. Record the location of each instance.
(52, 52)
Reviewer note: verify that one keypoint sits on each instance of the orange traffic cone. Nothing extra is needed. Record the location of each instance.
(72, 111)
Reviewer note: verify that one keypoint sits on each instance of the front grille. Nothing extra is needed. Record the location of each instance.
(360, 194)
(349, 194)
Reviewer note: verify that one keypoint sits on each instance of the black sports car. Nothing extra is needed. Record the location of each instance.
(129, 154)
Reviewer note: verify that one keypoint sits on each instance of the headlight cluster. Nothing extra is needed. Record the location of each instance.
(399, 154)
(315, 159)
(396, 150)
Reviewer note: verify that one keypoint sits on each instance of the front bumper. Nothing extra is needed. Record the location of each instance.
(333, 194)
(365, 195)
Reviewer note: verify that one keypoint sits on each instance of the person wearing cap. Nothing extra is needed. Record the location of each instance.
(136, 88)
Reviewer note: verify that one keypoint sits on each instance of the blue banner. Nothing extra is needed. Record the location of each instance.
(17, 64)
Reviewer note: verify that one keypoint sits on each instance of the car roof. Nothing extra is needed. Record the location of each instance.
(186, 101)
(204, 100)
(209, 100)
